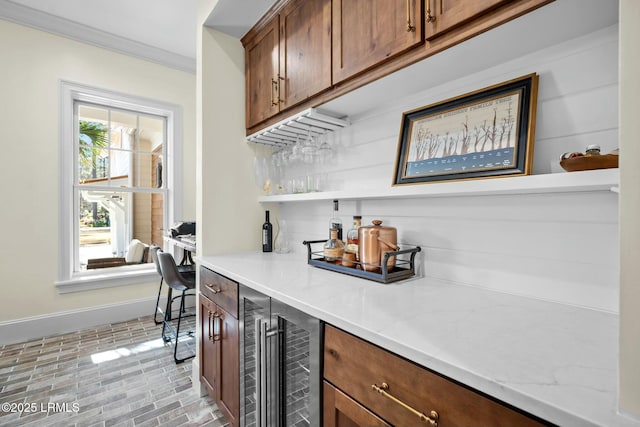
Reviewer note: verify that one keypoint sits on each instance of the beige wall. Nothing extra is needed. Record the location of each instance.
(33, 63)
(229, 216)
(629, 207)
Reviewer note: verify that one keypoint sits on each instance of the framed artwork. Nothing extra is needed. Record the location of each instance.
(483, 134)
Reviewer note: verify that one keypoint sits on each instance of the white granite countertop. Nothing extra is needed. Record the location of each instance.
(555, 361)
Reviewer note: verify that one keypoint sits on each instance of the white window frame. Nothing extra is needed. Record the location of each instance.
(67, 279)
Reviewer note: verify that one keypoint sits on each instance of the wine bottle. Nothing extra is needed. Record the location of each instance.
(267, 234)
(336, 222)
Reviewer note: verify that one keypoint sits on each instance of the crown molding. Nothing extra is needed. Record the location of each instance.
(79, 32)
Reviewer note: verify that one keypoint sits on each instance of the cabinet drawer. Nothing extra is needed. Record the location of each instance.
(220, 290)
(339, 410)
(354, 366)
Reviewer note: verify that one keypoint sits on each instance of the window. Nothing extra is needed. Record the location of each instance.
(119, 167)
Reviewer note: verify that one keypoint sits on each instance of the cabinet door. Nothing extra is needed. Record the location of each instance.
(339, 410)
(448, 14)
(261, 74)
(225, 329)
(367, 32)
(305, 50)
(208, 350)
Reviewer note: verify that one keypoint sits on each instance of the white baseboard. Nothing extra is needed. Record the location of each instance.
(28, 328)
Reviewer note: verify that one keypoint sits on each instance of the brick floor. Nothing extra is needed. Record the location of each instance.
(121, 374)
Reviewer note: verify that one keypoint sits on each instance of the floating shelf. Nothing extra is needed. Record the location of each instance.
(567, 182)
(286, 132)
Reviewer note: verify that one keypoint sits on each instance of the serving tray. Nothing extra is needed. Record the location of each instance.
(404, 265)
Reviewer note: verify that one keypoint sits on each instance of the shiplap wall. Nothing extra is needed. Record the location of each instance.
(560, 247)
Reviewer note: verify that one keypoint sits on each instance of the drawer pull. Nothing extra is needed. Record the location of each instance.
(410, 27)
(384, 390)
(274, 88)
(216, 337)
(210, 286)
(428, 16)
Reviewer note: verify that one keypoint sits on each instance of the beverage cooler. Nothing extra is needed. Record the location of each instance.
(280, 351)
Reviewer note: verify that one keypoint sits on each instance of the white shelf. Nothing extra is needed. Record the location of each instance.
(569, 182)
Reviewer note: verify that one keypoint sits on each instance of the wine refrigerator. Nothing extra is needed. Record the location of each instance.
(280, 353)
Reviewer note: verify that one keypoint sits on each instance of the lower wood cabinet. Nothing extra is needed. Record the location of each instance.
(368, 386)
(220, 342)
(208, 350)
(339, 410)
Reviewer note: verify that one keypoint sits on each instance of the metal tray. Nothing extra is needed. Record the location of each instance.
(404, 268)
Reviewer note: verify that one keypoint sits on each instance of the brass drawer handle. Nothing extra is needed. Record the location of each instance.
(428, 16)
(281, 82)
(210, 286)
(410, 27)
(218, 336)
(274, 88)
(383, 390)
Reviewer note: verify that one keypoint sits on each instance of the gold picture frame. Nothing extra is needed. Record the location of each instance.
(488, 133)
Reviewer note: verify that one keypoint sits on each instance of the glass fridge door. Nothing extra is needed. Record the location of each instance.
(298, 370)
(254, 312)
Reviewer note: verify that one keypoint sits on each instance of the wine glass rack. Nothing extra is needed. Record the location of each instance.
(310, 122)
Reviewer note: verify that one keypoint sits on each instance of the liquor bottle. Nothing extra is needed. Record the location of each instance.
(267, 235)
(352, 235)
(336, 222)
(333, 248)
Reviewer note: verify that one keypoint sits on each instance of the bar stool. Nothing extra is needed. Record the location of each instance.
(187, 270)
(179, 283)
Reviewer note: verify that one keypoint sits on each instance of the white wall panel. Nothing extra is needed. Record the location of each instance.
(560, 247)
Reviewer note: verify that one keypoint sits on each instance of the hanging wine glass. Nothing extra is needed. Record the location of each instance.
(295, 150)
(262, 172)
(279, 170)
(324, 150)
(309, 148)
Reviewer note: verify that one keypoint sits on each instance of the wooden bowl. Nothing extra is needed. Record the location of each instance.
(583, 163)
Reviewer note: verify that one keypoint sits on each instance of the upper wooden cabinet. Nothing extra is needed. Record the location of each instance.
(367, 32)
(443, 15)
(305, 50)
(261, 73)
(303, 53)
(288, 59)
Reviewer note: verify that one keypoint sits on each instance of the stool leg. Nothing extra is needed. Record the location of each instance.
(175, 349)
(167, 318)
(155, 313)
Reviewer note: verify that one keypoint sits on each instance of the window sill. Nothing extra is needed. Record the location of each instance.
(122, 276)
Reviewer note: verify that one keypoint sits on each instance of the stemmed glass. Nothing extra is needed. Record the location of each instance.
(324, 150)
(295, 153)
(309, 148)
(261, 173)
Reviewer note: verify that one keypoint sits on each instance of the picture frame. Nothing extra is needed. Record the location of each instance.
(488, 133)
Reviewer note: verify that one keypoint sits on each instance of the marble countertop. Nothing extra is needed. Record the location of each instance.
(556, 361)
